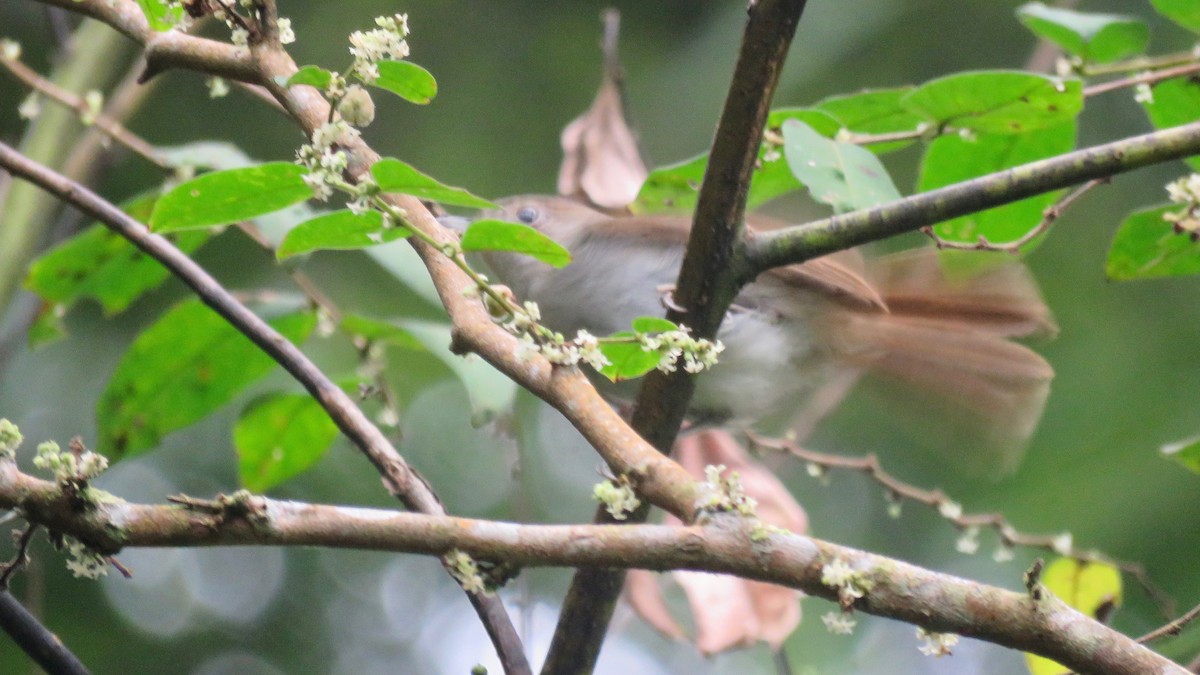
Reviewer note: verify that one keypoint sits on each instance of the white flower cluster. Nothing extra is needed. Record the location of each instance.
(325, 164)
(1185, 191)
(968, 541)
(618, 497)
(10, 439)
(849, 582)
(726, 493)
(555, 347)
(67, 466)
(385, 42)
(698, 355)
(82, 561)
(839, 623)
(465, 571)
(936, 644)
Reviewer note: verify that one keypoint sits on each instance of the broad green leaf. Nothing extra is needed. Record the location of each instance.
(1186, 13)
(500, 235)
(627, 360)
(1096, 38)
(103, 265)
(875, 111)
(1175, 102)
(842, 175)
(653, 324)
(179, 370)
(951, 159)
(315, 76)
(341, 230)
(160, 15)
(672, 188)
(1185, 452)
(230, 196)
(406, 80)
(1147, 246)
(393, 175)
(999, 102)
(380, 332)
(279, 436)
(1090, 587)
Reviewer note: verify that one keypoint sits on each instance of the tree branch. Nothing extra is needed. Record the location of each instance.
(766, 250)
(708, 282)
(727, 543)
(36, 640)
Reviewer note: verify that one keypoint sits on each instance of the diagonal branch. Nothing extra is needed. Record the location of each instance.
(707, 285)
(804, 242)
(401, 480)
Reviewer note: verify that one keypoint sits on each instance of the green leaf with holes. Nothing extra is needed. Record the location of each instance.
(1146, 246)
(182, 368)
(341, 230)
(101, 264)
(500, 235)
(997, 102)
(279, 436)
(393, 175)
(842, 175)
(406, 80)
(1093, 37)
(230, 196)
(160, 15)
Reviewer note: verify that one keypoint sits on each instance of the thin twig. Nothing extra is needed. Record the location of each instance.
(897, 490)
(1172, 628)
(114, 129)
(1049, 215)
(20, 558)
(43, 646)
(1144, 78)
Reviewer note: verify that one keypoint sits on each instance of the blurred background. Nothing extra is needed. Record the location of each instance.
(511, 74)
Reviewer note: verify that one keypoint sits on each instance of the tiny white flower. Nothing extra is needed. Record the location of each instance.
(838, 623)
(286, 35)
(217, 87)
(1063, 544)
(10, 50)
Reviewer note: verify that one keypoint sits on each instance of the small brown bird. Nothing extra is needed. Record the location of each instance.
(799, 336)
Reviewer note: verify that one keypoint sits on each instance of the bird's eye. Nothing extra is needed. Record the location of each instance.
(527, 214)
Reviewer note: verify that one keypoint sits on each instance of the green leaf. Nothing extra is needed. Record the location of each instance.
(1000, 102)
(314, 76)
(48, 326)
(1090, 587)
(230, 196)
(1096, 38)
(406, 80)
(627, 360)
(653, 324)
(951, 159)
(672, 188)
(1186, 13)
(103, 265)
(380, 332)
(160, 15)
(842, 175)
(279, 436)
(1147, 246)
(393, 175)
(1175, 102)
(875, 111)
(341, 230)
(500, 235)
(179, 370)
(1185, 452)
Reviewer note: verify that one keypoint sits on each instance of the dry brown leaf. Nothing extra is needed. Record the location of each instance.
(601, 162)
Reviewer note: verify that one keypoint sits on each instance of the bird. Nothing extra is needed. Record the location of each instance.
(798, 337)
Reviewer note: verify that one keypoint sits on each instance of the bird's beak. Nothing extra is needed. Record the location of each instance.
(456, 223)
